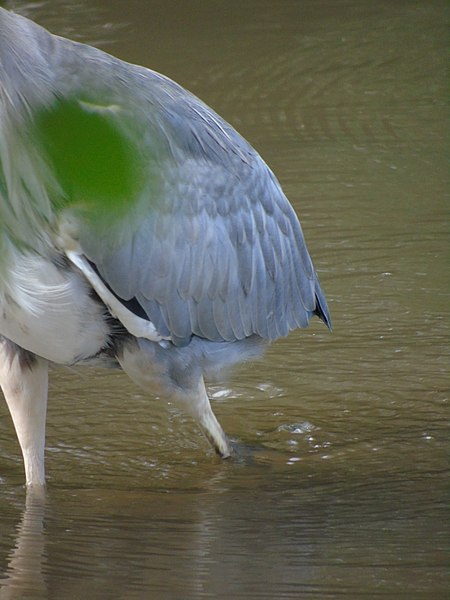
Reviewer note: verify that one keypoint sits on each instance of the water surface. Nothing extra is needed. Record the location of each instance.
(339, 488)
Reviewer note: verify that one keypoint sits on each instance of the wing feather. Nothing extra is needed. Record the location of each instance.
(200, 234)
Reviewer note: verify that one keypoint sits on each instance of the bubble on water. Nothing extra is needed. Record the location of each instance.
(221, 393)
(297, 428)
(271, 390)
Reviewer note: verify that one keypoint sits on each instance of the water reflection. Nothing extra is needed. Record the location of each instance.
(300, 524)
(24, 574)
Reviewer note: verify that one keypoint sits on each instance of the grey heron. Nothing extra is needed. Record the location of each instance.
(138, 229)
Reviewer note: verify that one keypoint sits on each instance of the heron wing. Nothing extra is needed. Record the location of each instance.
(180, 216)
(213, 248)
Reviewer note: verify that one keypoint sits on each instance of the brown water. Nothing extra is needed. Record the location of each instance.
(340, 487)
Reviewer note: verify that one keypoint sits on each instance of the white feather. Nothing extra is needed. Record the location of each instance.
(50, 311)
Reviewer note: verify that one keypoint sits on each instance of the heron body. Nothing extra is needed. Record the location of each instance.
(137, 229)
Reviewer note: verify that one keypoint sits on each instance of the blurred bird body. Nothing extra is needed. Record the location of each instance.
(137, 228)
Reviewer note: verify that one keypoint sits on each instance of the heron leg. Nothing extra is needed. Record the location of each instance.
(24, 381)
(163, 371)
(199, 407)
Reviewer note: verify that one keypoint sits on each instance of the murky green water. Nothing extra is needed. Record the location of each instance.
(340, 487)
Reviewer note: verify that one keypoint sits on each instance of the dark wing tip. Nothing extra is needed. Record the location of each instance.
(322, 309)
